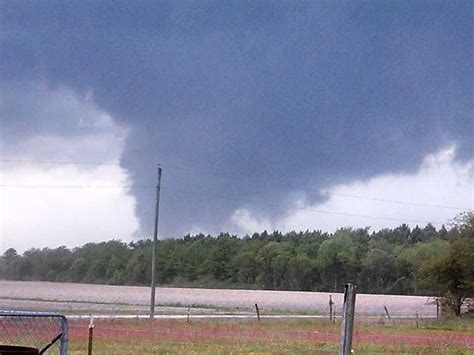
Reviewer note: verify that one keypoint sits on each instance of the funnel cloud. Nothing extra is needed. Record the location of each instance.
(248, 105)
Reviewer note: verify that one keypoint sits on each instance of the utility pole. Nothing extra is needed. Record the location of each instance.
(155, 246)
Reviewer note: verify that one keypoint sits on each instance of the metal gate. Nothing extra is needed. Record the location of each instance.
(47, 332)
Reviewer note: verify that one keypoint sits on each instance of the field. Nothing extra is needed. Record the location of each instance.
(84, 298)
(223, 321)
(269, 336)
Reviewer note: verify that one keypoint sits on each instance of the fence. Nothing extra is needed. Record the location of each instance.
(198, 330)
(270, 335)
(47, 332)
(266, 333)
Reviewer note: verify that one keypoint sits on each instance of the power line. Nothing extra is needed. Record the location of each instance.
(62, 162)
(219, 175)
(420, 204)
(393, 201)
(293, 207)
(31, 186)
(227, 197)
(70, 186)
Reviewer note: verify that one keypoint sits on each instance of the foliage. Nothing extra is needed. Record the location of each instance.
(452, 273)
(398, 261)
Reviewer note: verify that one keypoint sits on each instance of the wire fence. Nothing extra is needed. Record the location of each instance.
(46, 332)
(268, 335)
(224, 332)
(230, 334)
(202, 336)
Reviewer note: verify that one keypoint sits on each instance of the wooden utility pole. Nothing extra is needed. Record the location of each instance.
(155, 246)
(347, 320)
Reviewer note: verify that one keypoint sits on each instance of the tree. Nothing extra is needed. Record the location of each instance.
(302, 272)
(245, 267)
(9, 264)
(452, 275)
(339, 257)
(378, 269)
(401, 261)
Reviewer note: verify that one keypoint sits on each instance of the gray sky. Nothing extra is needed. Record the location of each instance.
(257, 110)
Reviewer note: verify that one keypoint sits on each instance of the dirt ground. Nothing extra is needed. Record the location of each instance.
(82, 298)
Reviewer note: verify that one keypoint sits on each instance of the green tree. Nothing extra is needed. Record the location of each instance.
(452, 274)
(9, 264)
(302, 272)
(339, 258)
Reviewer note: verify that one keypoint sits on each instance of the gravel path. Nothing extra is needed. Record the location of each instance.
(68, 296)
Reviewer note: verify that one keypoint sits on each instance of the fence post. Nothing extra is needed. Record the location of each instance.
(65, 336)
(91, 335)
(386, 311)
(189, 311)
(258, 312)
(347, 320)
(330, 307)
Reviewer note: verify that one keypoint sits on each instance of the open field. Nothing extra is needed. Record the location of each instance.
(145, 336)
(239, 332)
(295, 336)
(103, 299)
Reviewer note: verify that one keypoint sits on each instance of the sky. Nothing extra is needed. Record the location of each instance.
(288, 115)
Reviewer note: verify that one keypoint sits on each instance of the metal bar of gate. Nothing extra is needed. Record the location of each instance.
(61, 317)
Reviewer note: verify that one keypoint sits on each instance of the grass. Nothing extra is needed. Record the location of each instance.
(462, 324)
(268, 337)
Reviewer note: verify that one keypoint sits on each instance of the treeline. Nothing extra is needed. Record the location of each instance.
(396, 261)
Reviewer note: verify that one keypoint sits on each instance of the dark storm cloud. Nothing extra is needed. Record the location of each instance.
(272, 96)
